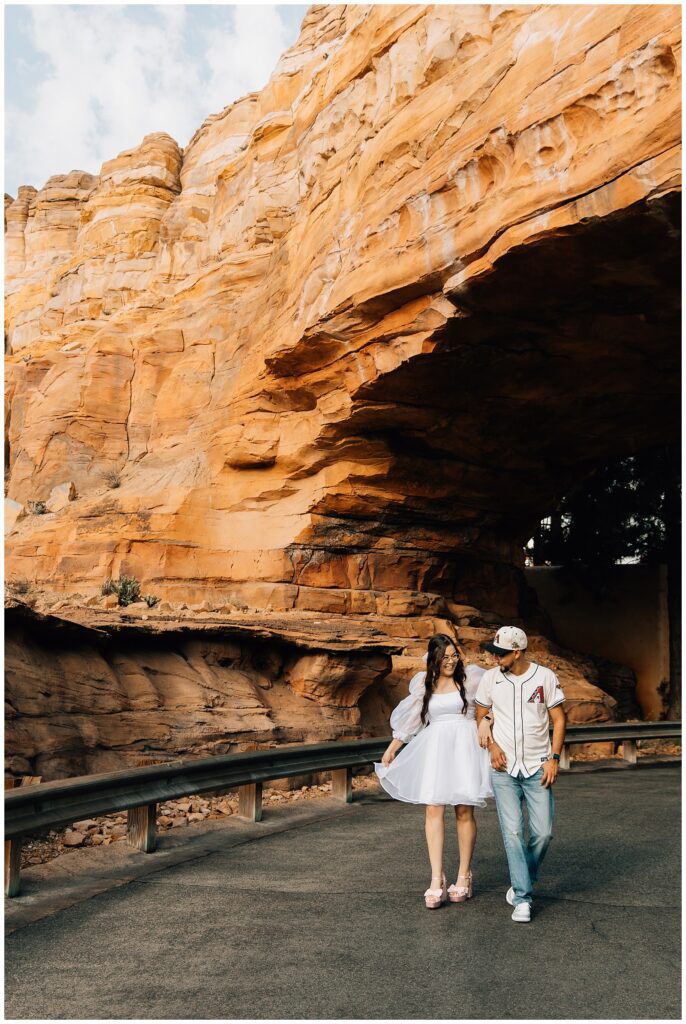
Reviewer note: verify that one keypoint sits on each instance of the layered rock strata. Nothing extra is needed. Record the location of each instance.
(97, 692)
(346, 349)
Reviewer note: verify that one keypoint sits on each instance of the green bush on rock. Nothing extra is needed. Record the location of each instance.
(127, 589)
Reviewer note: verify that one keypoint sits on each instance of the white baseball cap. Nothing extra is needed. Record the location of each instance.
(507, 639)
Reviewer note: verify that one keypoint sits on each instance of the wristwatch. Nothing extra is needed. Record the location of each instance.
(554, 757)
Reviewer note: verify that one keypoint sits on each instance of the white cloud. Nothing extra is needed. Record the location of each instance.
(241, 60)
(112, 76)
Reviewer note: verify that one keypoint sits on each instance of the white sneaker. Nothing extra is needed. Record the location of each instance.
(509, 896)
(522, 913)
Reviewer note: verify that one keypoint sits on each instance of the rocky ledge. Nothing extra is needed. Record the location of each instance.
(91, 692)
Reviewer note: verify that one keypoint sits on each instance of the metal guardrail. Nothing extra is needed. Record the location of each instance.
(622, 731)
(37, 808)
(627, 733)
(52, 804)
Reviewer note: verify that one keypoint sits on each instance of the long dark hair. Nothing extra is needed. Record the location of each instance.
(438, 645)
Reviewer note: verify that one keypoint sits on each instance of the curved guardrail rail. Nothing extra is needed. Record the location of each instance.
(37, 808)
(52, 804)
(627, 733)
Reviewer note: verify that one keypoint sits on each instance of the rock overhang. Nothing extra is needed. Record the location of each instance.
(463, 198)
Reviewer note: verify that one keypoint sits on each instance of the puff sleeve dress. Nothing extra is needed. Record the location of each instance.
(442, 762)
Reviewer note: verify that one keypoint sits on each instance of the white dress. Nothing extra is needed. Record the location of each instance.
(442, 762)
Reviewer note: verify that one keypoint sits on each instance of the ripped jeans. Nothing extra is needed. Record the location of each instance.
(524, 858)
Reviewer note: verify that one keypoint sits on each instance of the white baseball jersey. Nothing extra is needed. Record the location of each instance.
(520, 712)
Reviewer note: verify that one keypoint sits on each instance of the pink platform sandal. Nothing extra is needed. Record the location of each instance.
(435, 898)
(461, 893)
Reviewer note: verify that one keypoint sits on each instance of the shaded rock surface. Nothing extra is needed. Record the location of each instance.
(97, 691)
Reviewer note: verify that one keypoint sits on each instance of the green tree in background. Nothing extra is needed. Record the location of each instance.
(628, 510)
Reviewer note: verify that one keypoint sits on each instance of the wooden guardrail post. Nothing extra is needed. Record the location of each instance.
(250, 801)
(629, 751)
(141, 821)
(342, 784)
(13, 846)
(141, 827)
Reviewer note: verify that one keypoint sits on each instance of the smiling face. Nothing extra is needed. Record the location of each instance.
(449, 661)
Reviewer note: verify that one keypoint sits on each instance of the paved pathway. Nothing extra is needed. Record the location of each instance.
(325, 920)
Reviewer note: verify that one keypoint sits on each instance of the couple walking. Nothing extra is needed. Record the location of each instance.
(476, 734)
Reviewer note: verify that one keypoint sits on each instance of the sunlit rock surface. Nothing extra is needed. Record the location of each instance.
(347, 348)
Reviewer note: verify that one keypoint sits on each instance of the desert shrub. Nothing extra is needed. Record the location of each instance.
(112, 478)
(37, 508)
(151, 600)
(127, 589)
(19, 586)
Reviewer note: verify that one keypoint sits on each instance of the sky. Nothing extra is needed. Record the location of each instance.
(84, 82)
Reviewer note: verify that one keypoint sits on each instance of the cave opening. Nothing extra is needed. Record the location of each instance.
(610, 553)
(563, 357)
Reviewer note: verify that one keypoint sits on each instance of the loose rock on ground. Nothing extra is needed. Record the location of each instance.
(171, 814)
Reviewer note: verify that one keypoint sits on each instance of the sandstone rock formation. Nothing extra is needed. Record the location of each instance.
(98, 690)
(60, 496)
(13, 511)
(347, 348)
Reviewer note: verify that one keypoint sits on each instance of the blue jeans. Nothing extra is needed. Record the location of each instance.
(524, 858)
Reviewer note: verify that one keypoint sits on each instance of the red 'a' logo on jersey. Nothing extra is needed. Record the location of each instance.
(537, 696)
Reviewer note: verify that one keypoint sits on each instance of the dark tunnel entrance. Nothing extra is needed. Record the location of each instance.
(565, 356)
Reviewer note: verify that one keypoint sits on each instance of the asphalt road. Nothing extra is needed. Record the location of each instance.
(326, 920)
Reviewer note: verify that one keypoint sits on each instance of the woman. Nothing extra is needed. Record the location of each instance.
(444, 763)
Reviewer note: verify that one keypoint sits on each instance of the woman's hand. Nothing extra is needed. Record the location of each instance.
(389, 755)
(485, 735)
(391, 750)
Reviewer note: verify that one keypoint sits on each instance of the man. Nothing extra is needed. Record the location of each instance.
(520, 698)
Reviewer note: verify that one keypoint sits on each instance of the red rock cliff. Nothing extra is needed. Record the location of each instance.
(348, 347)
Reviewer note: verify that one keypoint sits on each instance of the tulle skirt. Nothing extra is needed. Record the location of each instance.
(442, 764)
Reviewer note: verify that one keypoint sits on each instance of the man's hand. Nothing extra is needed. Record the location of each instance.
(551, 767)
(550, 770)
(498, 759)
(485, 736)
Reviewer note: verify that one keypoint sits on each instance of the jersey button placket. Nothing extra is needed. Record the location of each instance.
(518, 727)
